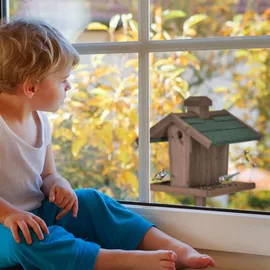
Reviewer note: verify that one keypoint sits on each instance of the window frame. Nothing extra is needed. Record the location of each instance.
(199, 227)
(143, 47)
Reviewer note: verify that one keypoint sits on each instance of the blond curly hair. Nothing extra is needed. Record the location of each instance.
(30, 50)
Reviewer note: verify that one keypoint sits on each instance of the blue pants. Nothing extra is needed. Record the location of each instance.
(74, 243)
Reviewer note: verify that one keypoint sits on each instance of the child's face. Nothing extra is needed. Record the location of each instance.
(51, 92)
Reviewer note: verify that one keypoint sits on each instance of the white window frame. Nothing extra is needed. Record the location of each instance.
(204, 229)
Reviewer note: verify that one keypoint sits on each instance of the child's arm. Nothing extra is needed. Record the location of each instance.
(49, 173)
(57, 188)
(6, 209)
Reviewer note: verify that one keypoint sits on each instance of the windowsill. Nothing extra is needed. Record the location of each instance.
(236, 241)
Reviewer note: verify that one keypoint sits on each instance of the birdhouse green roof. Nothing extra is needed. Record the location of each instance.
(225, 129)
(219, 129)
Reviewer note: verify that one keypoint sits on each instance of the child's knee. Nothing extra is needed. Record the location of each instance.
(88, 196)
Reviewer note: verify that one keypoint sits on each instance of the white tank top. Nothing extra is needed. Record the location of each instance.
(21, 165)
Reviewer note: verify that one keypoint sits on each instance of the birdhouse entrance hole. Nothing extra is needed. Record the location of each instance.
(180, 135)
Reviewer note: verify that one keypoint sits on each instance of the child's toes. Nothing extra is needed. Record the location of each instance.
(167, 255)
(200, 261)
(167, 264)
(212, 262)
(205, 261)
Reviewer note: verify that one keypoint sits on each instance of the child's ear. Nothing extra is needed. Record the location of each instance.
(30, 89)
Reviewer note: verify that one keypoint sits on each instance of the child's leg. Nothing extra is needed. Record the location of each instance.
(7, 257)
(61, 250)
(104, 221)
(186, 255)
(58, 250)
(108, 223)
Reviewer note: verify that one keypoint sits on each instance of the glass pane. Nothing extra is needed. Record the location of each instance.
(94, 132)
(84, 20)
(177, 19)
(237, 81)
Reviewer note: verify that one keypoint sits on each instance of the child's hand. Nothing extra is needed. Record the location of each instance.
(24, 220)
(64, 197)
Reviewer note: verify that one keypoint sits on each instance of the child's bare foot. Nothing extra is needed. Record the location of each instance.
(135, 260)
(187, 257)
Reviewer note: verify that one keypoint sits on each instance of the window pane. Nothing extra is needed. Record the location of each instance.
(94, 132)
(179, 19)
(237, 81)
(87, 20)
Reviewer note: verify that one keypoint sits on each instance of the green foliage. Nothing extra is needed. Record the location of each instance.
(95, 133)
(256, 200)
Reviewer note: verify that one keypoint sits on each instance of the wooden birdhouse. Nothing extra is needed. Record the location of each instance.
(198, 142)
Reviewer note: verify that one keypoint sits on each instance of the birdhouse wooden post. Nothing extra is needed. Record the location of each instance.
(198, 142)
